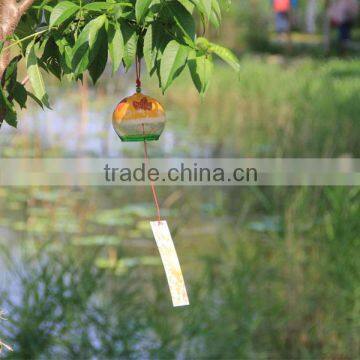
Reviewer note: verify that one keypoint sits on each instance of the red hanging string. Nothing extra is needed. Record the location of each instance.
(138, 72)
(152, 184)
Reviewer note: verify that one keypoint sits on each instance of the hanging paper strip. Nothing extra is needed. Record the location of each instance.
(171, 263)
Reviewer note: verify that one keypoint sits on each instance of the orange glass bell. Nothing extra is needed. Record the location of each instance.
(138, 118)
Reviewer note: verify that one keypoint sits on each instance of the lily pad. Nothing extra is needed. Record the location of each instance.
(122, 265)
(97, 240)
(267, 224)
(113, 217)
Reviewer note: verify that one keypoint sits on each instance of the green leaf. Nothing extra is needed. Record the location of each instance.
(94, 27)
(141, 9)
(226, 55)
(63, 11)
(97, 67)
(188, 5)
(155, 42)
(27, 26)
(116, 45)
(214, 20)
(8, 107)
(172, 63)
(201, 68)
(10, 74)
(124, 11)
(51, 58)
(87, 46)
(5, 104)
(204, 7)
(11, 118)
(130, 44)
(98, 6)
(35, 76)
(148, 50)
(66, 53)
(35, 98)
(203, 43)
(20, 94)
(215, 17)
(183, 19)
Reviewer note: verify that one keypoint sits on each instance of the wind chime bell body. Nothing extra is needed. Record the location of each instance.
(139, 118)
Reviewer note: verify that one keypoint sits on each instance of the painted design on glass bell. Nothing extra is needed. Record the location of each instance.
(138, 118)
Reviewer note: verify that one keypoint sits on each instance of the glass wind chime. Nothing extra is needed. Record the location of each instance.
(142, 118)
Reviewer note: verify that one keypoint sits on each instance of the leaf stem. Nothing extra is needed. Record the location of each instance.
(25, 38)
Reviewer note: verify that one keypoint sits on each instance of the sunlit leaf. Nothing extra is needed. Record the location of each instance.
(202, 43)
(215, 17)
(87, 45)
(226, 55)
(116, 45)
(63, 11)
(204, 7)
(172, 63)
(98, 6)
(201, 69)
(35, 98)
(149, 50)
(155, 43)
(141, 8)
(35, 76)
(130, 44)
(188, 5)
(183, 19)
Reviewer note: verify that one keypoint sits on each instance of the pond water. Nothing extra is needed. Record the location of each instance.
(80, 275)
(114, 220)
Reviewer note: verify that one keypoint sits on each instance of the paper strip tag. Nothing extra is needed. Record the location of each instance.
(171, 263)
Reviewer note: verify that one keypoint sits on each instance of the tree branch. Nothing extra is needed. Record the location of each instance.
(10, 15)
(24, 5)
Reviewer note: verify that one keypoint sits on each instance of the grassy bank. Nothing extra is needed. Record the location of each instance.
(277, 107)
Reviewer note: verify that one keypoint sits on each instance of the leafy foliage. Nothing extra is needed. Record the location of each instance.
(69, 38)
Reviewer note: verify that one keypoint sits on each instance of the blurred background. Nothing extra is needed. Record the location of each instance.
(272, 272)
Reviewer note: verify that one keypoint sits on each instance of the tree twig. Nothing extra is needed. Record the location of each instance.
(25, 80)
(25, 38)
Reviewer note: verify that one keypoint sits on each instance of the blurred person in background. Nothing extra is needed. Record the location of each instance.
(342, 15)
(282, 10)
(282, 15)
